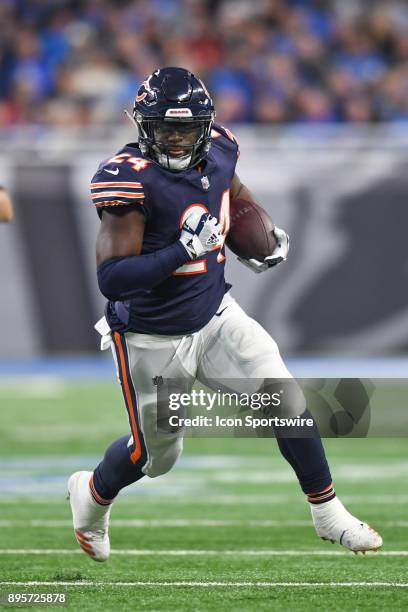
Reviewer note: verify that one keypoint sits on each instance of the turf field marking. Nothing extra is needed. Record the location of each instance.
(207, 584)
(131, 496)
(142, 523)
(198, 553)
(392, 471)
(33, 387)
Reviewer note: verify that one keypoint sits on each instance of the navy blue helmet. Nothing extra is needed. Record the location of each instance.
(174, 114)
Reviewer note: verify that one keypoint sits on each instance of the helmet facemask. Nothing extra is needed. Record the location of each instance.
(175, 144)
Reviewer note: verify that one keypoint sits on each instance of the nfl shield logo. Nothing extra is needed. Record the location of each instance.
(205, 182)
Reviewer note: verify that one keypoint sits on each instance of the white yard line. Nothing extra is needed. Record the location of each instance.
(174, 523)
(197, 553)
(205, 584)
(142, 523)
(133, 497)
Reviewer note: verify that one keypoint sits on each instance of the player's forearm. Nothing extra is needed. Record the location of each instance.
(121, 277)
(6, 207)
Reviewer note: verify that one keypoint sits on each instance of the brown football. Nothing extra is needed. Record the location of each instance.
(251, 230)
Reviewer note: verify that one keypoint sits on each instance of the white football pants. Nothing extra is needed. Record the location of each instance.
(230, 346)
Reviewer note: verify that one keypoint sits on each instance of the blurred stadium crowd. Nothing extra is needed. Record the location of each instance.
(79, 62)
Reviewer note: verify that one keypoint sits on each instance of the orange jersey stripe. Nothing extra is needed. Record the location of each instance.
(113, 184)
(110, 194)
(128, 398)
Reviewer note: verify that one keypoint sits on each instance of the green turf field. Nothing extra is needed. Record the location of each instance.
(227, 529)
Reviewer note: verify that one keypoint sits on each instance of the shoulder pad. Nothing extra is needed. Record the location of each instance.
(224, 137)
(220, 130)
(118, 181)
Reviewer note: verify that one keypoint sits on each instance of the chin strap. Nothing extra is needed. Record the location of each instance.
(173, 163)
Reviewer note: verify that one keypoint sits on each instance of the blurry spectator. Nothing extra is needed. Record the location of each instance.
(314, 105)
(231, 105)
(358, 109)
(30, 70)
(281, 76)
(393, 95)
(77, 62)
(358, 55)
(272, 110)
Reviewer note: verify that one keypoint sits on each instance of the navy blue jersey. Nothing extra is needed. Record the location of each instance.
(187, 300)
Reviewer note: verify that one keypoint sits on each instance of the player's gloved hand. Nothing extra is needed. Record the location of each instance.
(200, 234)
(279, 254)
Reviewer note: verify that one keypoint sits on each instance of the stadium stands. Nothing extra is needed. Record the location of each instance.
(76, 62)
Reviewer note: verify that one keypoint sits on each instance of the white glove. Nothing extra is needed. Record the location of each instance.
(279, 254)
(200, 234)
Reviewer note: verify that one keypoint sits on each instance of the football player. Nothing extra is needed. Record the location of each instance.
(6, 207)
(163, 202)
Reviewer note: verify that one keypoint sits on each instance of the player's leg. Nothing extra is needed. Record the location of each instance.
(239, 347)
(124, 459)
(139, 359)
(92, 493)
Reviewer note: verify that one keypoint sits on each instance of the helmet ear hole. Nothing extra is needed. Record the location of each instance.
(173, 96)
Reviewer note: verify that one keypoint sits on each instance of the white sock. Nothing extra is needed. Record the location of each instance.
(331, 518)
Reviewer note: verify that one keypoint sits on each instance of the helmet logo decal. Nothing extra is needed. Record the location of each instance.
(146, 86)
(178, 112)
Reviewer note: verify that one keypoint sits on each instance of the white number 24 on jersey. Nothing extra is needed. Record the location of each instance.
(199, 266)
